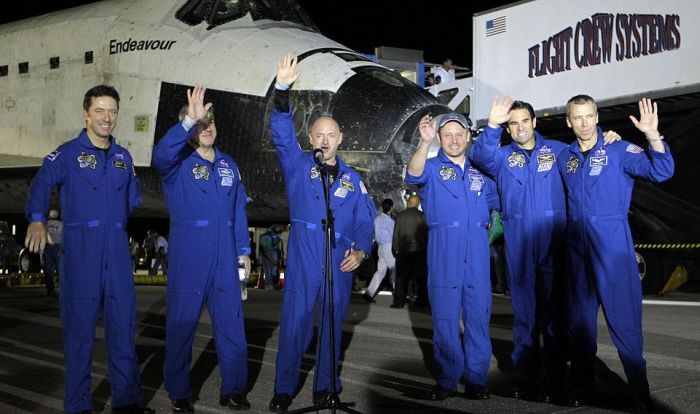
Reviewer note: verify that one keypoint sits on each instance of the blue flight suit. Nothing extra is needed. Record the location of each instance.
(534, 222)
(601, 253)
(305, 284)
(98, 190)
(456, 203)
(208, 231)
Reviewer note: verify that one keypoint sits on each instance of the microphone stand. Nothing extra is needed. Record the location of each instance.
(332, 403)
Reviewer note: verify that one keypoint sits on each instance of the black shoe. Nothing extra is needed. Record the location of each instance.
(475, 392)
(325, 399)
(183, 405)
(643, 405)
(526, 392)
(368, 298)
(397, 305)
(280, 403)
(440, 393)
(236, 402)
(578, 399)
(132, 409)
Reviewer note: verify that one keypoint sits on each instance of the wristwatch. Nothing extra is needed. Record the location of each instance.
(365, 255)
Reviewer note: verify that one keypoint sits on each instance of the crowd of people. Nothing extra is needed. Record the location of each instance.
(563, 209)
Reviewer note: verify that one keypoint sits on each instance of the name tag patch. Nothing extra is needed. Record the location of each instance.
(477, 182)
(597, 164)
(341, 192)
(545, 162)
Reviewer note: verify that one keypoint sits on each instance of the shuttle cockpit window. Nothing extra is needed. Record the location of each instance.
(218, 12)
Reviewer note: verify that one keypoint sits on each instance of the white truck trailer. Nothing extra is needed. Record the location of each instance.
(546, 51)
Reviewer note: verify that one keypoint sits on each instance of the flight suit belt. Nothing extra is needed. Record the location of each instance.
(314, 226)
(92, 223)
(548, 213)
(613, 217)
(433, 226)
(195, 223)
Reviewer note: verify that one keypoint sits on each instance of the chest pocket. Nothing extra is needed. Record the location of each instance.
(226, 178)
(343, 189)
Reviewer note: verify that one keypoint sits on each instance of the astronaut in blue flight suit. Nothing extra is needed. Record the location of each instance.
(598, 180)
(98, 190)
(305, 284)
(456, 200)
(208, 235)
(533, 209)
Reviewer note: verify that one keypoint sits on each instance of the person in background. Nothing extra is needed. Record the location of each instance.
(598, 179)
(270, 245)
(52, 252)
(445, 73)
(98, 192)
(134, 250)
(457, 198)
(208, 235)
(498, 270)
(383, 233)
(409, 242)
(149, 245)
(306, 286)
(161, 254)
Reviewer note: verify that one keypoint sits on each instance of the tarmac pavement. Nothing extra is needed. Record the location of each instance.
(387, 364)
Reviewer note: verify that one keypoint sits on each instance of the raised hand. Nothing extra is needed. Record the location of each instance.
(648, 122)
(196, 108)
(499, 111)
(427, 129)
(287, 71)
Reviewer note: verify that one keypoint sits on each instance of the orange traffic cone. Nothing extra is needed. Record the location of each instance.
(261, 279)
(280, 284)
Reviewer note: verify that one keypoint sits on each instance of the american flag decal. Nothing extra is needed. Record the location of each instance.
(496, 26)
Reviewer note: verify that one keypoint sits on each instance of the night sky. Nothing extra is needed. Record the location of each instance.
(440, 29)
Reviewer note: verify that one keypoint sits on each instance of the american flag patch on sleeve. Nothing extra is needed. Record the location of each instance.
(634, 149)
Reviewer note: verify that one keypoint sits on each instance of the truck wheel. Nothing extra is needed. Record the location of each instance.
(28, 262)
(650, 272)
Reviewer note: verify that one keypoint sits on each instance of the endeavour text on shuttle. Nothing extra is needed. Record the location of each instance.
(591, 41)
(130, 45)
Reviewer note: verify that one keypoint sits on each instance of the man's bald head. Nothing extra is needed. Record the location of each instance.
(413, 201)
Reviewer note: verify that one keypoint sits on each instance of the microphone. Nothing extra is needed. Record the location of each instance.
(318, 156)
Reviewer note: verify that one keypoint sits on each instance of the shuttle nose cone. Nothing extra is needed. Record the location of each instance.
(376, 106)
